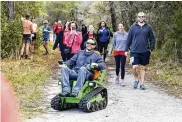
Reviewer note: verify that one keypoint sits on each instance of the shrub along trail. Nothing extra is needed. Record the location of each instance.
(125, 104)
(28, 78)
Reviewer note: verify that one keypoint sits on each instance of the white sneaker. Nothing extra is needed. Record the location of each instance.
(122, 82)
(117, 79)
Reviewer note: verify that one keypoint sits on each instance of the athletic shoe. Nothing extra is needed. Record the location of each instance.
(117, 80)
(135, 84)
(64, 94)
(142, 87)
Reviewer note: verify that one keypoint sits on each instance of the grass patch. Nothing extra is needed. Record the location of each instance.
(166, 73)
(28, 77)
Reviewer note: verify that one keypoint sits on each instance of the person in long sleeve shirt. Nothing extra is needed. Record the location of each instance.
(119, 44)
(141, 43)
(80, 66)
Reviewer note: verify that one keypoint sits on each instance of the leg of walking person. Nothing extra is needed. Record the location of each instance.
(101, 47)
(105, 50)
(27, 47)
(47, 47)
(22, 50)
(117, 64)
(123, 62)
(145, 57)
(135, 60)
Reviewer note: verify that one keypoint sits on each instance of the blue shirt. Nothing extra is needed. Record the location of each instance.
(46, 34)
(83, 58)
(140, 38)
(104, 34)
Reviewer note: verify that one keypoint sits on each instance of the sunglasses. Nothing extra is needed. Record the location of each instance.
(90, 43)
(141, 16)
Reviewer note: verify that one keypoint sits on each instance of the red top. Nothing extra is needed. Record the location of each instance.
(119, 53)
(54, 26)
(58, 28)
(90, 35)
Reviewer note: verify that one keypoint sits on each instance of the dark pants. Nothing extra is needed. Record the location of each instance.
(70, 56)
(103, 46)
(120, 60)
(63, 55)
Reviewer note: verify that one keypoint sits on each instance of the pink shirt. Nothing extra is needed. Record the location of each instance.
(68, 41)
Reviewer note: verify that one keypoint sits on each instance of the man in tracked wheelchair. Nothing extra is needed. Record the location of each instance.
(80, 66)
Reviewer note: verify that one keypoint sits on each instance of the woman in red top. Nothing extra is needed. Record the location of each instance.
(73, 39)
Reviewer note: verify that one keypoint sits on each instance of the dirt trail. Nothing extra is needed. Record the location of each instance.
(125, 105)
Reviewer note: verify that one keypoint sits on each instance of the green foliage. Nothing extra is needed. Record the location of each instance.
(11, 36)
(60, 10)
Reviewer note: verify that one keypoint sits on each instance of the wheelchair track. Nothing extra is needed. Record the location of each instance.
(125, 104)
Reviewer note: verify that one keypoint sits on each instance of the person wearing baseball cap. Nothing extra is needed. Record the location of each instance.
(46, 37)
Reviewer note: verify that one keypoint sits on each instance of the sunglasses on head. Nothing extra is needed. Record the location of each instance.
(90, 43)
(141, 16)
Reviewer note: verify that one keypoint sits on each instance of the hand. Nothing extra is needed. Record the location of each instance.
(126, 53)
(94, 64)
(45, 30)
(109, 53)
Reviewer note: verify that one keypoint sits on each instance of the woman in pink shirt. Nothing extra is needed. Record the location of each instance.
(72, 39)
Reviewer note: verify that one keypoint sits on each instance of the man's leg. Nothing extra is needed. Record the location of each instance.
(83, 74)
(47, 46)
(145, 57)
(22, 50)
(65, 71)
(32, 46)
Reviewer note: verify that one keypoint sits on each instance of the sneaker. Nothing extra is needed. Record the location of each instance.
(122, 83)
(74, 94)
(64, 94)
(21, 57)
(26, 56)
(135, 84)
(60, 62)
(46, 53)
(142, 87)
(117, 80)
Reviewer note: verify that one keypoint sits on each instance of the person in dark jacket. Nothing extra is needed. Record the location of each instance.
(104, 35)
(84, 29)
(90, 34)
(59, 40)
(141, 43)
(80, 65)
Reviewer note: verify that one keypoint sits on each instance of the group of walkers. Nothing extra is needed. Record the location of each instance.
(79, 49)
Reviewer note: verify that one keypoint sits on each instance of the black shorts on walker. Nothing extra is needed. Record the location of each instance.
(140, 58)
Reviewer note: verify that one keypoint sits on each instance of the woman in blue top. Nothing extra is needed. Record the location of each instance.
(104, 35)
(46, 37)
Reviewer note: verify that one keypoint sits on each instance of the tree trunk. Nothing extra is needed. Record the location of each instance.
(10, 5)
(113, 16)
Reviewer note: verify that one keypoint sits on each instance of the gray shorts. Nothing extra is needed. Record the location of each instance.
(27, 38)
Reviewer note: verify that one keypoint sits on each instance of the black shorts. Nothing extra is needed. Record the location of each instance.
(27, 38)
(140, 58)
(34, 36)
